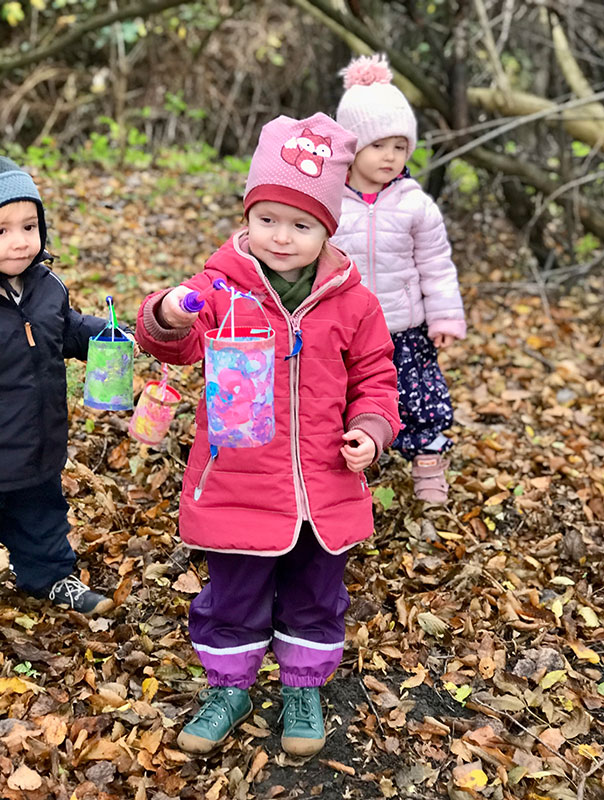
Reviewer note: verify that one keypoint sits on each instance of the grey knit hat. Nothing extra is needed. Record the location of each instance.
(17, 185)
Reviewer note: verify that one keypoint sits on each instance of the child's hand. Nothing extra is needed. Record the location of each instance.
(360, 456)
(136, 351)
(442, 339)
(172, 314)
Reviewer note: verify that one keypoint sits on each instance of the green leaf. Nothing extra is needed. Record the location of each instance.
(25, 622)
(462, 693)
(89, 425)
(384, 495)
(13, 13)
(580, 149)
(555, 676)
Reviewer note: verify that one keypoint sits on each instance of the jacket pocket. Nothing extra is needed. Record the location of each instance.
(198, 491)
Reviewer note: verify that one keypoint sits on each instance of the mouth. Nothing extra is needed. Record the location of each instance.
(281, 255)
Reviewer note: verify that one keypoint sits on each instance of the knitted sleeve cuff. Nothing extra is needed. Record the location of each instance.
(155, 324)
(377, 428)
(450, 327)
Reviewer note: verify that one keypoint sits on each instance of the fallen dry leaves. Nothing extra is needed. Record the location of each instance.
(473, 666)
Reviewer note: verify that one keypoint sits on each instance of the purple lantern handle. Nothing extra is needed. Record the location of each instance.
(194, 302)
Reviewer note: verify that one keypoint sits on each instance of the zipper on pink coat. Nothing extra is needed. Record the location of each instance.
(204, 475)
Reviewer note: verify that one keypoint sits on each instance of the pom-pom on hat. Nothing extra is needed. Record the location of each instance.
(16, 186)
(372, 107)
(302, 163)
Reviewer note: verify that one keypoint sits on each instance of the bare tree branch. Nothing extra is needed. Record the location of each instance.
(549, 110)
(591, 219)
(415, 74)
(144, 8)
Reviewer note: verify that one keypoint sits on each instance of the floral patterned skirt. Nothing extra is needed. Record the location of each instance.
(424, 403)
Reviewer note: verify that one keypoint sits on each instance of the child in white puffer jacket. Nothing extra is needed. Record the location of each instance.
(395, 234)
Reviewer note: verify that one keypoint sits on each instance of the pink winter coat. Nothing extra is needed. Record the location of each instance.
(253, 500)
(400, 246)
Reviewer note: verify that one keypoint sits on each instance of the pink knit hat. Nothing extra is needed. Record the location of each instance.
(302, 163)
(372, 107)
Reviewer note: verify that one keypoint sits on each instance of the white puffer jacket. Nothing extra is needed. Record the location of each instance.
(400, 245)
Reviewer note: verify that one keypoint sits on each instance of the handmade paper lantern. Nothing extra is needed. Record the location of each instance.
(154, 412)
(240, 380)
(108, 382)
(240, 376)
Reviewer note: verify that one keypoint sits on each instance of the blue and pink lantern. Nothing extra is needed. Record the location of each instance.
(240, 376)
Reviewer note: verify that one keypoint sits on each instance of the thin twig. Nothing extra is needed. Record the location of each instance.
(535, 736)
(372, 707)
(581, 784)
(516, 122)
(102, 456)
(538, 357)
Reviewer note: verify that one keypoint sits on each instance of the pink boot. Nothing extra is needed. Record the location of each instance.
(428, 473)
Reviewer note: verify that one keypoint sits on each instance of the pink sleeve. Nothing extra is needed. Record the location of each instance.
(173, 345)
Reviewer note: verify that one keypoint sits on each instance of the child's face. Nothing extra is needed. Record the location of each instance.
(19, 236)
(378, 163)
(284, 237)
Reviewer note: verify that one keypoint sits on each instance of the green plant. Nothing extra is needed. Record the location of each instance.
(122, 145)
(586, 245)
(25, 668)
(464, 175)
(66, 253)
(420, 158)
(235, 164)
(192, 159)
(175, 104)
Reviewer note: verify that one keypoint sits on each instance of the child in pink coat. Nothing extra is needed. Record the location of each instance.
(396, 236)
(276, 521)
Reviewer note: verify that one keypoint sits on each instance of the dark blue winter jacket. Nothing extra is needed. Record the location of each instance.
(36, 336)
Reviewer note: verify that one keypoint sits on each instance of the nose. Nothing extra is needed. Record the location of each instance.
(19, 241)
(281, 234)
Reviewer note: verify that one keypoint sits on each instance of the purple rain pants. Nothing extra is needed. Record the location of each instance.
(297, 600)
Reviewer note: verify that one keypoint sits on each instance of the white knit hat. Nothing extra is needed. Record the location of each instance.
(372, 107)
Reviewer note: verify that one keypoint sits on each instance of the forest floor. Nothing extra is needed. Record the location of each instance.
(475, 636)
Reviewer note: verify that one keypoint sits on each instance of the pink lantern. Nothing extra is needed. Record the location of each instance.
(154, 412)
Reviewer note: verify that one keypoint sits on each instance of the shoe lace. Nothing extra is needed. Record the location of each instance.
(299, 708)
(71, 586)
(214, 705)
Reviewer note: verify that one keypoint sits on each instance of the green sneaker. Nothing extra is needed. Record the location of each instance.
(222, 709)
(303, 730)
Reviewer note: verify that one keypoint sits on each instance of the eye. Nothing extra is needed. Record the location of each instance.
(2, 230)
(323, 150)
(377, 145)
(31, 227)
(302, 227)
(266, 220)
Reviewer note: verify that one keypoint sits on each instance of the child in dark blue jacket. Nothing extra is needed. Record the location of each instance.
(38, 330)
